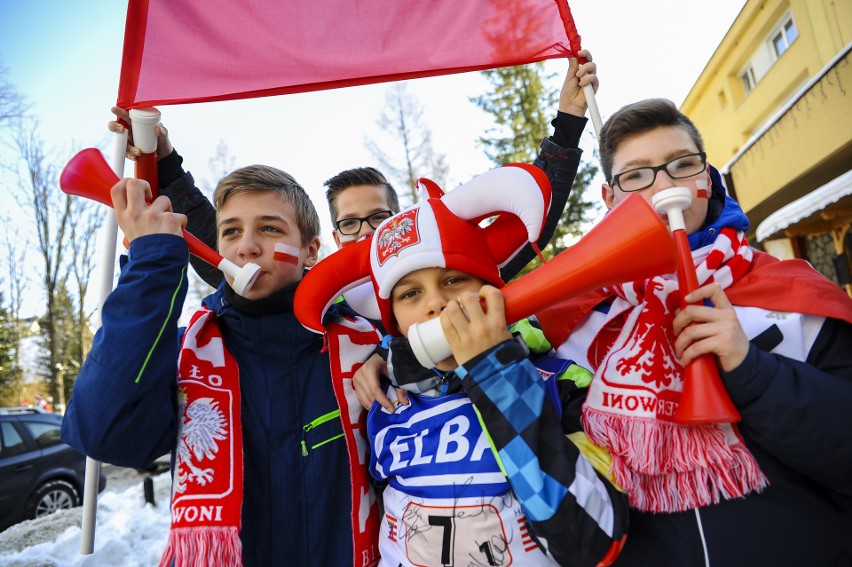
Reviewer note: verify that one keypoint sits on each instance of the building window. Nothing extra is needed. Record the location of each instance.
(784, 36)
(747, 77)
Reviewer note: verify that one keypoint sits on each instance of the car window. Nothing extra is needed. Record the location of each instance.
(12, 444)
(45, 434)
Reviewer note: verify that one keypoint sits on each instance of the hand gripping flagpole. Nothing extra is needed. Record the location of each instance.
(574, 44)
(109, 233)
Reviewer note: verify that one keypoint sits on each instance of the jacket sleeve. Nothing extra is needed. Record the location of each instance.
(577, 515)
(123, 406)
(799, 411)
(560, 164)
(179, 187)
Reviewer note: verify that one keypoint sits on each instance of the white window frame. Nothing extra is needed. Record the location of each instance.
(782, 30)
(749, 81)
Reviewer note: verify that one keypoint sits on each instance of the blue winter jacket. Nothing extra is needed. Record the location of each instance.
(296, 507)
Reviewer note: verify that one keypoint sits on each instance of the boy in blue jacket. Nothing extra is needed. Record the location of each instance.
(236, 397)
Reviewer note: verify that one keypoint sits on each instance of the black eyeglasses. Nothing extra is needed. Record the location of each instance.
(352, 225)
(643, 177)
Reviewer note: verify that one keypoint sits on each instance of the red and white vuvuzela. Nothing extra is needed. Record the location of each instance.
(630, 243)
(88, 175)
(704, 398)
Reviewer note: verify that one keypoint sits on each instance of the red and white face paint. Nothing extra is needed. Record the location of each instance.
(286, 253)
(702, 189)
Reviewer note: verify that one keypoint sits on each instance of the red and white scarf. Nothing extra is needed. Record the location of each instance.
(350, 341)
(663, 466)
(207, 488)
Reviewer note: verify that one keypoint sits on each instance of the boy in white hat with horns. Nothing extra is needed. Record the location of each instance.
(518, 492)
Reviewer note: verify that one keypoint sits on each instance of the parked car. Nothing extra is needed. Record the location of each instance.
(39, 474)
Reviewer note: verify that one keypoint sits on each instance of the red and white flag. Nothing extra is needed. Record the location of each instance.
(181, 51)
(286, 253)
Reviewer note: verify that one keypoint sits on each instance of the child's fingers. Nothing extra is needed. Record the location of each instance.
(366, 382)
(495, 308)
(118, 194)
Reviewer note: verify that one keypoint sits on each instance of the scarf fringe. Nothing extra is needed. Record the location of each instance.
(203, 546)
(667, 467)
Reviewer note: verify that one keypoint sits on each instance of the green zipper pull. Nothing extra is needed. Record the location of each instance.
(304, 449)
(322, 419)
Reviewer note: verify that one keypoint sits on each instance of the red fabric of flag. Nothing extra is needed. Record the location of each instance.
(181, 51)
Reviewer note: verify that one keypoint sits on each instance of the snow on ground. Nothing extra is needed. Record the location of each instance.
(128, 532)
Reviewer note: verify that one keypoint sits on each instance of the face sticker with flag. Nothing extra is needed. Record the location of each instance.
(286, 253)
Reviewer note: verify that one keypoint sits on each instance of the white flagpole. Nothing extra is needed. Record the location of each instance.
(594, 113)
(109, 234)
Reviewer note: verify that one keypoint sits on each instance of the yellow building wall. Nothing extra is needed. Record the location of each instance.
(727, 116)
(814, 130)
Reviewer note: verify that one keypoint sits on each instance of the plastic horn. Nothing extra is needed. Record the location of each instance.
(88, 175)
(704, 398)
(630, 243)
(144, 123)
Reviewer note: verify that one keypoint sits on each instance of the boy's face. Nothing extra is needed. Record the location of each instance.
(656, 147)
(358, 201)
(423, 294)
(249, 227)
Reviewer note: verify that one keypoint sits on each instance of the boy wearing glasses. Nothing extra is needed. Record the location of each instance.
(359, 200)
(772, 489)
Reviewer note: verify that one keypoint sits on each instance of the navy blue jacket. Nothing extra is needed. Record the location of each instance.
(296, 506)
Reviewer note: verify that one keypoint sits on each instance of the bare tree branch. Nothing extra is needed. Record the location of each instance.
(411, 154)
(13, 106)
(85, 222)
(51, 209)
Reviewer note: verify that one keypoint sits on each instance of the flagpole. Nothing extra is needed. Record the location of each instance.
(594, 112)
(109, 234)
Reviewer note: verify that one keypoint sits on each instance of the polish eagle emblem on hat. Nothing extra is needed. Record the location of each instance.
(397, 234)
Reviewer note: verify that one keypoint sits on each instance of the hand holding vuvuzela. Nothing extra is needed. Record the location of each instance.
(704, 398)
(88, 175)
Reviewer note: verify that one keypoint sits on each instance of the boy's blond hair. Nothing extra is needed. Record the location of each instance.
(266, 179)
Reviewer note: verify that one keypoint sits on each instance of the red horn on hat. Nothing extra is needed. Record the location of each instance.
(432, 189)
(325, 282)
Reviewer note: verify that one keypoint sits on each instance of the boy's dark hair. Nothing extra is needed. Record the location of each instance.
(263, 179)
(358, 176)
(640, 117)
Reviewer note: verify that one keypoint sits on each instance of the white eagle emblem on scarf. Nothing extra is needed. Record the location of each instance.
(202, 426)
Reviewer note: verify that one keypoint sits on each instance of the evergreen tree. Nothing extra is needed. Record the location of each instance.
(523, 103)
(10, 374)
(62, 352)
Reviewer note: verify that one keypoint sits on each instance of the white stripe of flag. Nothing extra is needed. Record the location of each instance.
(286, 253)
